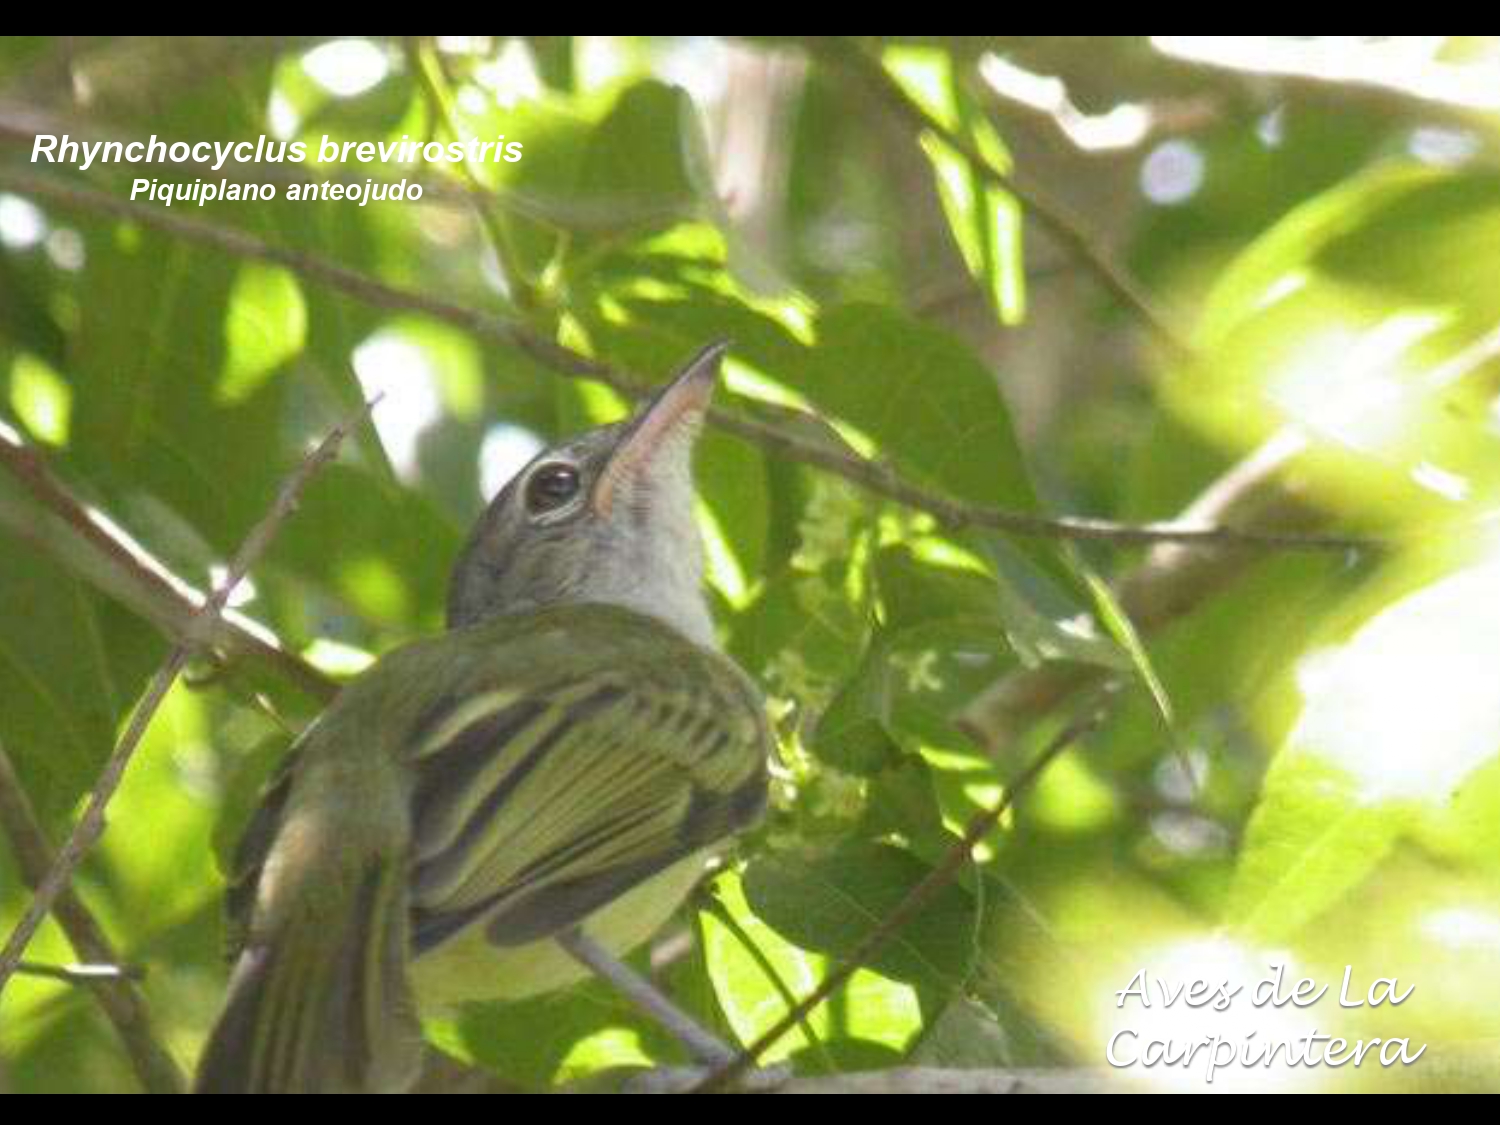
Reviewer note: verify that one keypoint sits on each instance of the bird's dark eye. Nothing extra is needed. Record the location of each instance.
(550, 487)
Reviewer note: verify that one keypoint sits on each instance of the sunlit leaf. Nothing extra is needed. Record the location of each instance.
(879, 1012)
(72, 663)
(986, 220)
(266, 326)
(1396, 720)
(1124, 632)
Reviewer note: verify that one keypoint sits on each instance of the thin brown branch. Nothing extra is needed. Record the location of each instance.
(99, 551)
(1068, 229)
(869, 475)
(907, 909)
(199, 634)
(879, 479)
(119, 999)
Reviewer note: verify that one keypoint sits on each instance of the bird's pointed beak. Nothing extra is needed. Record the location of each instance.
(670, 419)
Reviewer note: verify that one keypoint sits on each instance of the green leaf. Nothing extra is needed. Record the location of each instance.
(1378, 360)
(829, 903)
(803, 615)
(396, 581)
(801, 917)
(1310, 842)
(266, 326)
(649, 150)
(1396, 721)
(71, 665)
(853, 734)
(940, 583)
(937, 412)
(595, 165)
(1123, 630)
(1345, 235)
(158, 849)
(555, 1038)
(966, 1037)
(985, 219)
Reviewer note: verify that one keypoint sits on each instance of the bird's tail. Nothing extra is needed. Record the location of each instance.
(319, 1002)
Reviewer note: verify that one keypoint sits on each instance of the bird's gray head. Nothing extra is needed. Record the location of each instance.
(606, 517)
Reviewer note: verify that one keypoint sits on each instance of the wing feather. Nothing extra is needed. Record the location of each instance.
(535, 807)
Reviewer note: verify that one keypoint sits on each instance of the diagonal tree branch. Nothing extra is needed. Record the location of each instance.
(48, 515)
(119, 999)
(199, 634)
(870, 475)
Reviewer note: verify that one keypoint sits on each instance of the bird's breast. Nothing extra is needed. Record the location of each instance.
(470, 967)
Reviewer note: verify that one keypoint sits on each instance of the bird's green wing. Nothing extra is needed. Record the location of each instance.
(559, 778)
(516, 775)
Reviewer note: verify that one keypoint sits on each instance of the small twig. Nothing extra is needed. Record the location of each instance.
(701, 1043)
(120, 1000)
(867, 474)
(199, 632)
(914, 900)
(1064, 226)
(83, 974)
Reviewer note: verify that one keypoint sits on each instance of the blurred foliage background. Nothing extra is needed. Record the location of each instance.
(1255, 278)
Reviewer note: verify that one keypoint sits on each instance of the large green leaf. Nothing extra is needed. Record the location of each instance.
(1311, 841)
(73, 665)
(1397, 720)
(800, 917)
(559, 1037)
(923, 397)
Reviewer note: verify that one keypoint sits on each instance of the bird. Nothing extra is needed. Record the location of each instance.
(495, 811)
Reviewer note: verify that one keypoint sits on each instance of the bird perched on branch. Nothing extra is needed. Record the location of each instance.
(485, 813)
